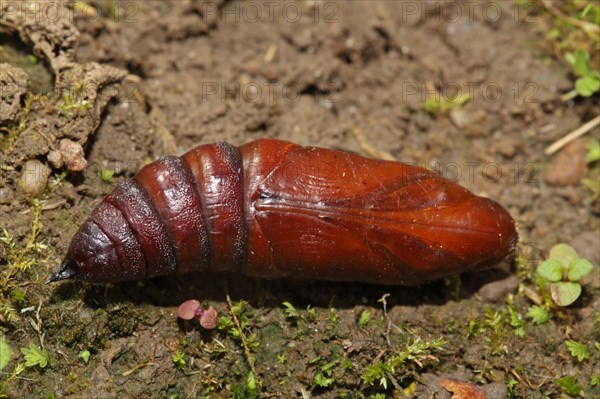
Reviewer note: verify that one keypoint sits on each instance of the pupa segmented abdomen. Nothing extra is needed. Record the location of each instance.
(271, 209)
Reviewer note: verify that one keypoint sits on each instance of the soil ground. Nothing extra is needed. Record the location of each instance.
(129, 81)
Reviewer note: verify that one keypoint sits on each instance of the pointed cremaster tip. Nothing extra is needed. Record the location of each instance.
(66, 271)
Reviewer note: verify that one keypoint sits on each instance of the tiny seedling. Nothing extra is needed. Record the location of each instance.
(291, 312)
(418, 352)
(295, 315)
(569, 385)
(579, 351)
(312, 313)
(237, 323)
(538, 314)
(515, 321)
(106, 175)
(178, 359)
(35, 356)
(588, 81)
(251, 387)
(440, 104)
(364, 318)
(333, 318)
(84, 355)
(324, 377)
(563, 269)
(192, 308)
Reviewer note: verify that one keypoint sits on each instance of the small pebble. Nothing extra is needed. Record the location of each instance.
(55, 159)
(569, 167)
(13, 81)
(72, 155)
(496, 291)
(471, 122)
(34, 178)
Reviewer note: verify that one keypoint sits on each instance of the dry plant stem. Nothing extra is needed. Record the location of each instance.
(139, 366)
(37, 325)
(360, 137)
(586, 26)
(390, 323)
(47, 207)
(249, 358)
(395, 383)
(270, 54)
(580, 131)
(569, 96)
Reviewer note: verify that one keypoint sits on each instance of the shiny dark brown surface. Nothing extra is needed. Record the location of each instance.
(178, 202)
(275, 209)
(217, 169)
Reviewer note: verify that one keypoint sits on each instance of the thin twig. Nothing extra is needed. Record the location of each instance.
(47, 207)
(360, 137)
(270, 54)
(390, 323)
(580, 131)
(249, 358)
(139, 366)
(395, 383)
(586, 26)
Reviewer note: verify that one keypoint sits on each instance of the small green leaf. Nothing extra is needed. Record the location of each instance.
(178, 359)
(251, 391)
(592, 8)
(538, 314)
(85, 355)
(582, 63)
(580, 268)
(323, 381)
(569, 385)
(553, 34)
(312, 313)
(328, 368)
(106, 175)
(515, 322)
(593, 151)
(363, 319)
(4, 354)
(579, 351)
(291, 311)
(594, 82)
(563, 253)
(587, 85)
(565, 293)
(551, 270)
(35, 356)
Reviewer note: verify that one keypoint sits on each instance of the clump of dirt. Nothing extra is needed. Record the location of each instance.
(53, 129)
(471, 96)
(14, 84)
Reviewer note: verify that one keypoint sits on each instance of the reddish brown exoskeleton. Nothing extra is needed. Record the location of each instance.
(271, 209)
